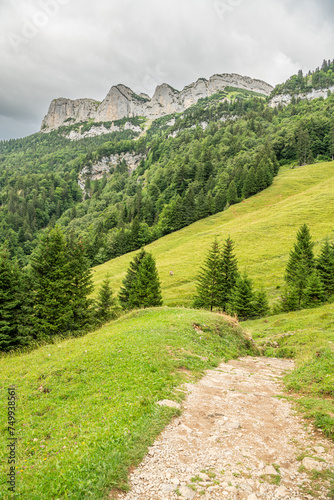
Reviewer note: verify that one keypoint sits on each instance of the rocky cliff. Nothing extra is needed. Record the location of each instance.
(122, 102)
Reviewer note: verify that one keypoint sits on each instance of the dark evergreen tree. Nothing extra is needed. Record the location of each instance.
(232, 194)
(314, 293)
(250, 186)
(209, 281)
(50, 270)
(301, 263)
(325, 268)
(80, 283)
(228, 273)
(261, 304)
(129, 281)
(106, 308)
(141, 286)
(11, 335)
(146, 291)
(242, 298)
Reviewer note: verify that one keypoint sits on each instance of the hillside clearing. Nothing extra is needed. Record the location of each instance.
(263, 228)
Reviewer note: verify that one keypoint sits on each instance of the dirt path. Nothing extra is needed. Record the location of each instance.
(236, 440)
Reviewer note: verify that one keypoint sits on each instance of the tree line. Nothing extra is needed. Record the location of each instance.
(52, 296)
(309, 281)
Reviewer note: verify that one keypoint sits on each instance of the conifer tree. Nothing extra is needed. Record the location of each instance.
(146, 291)
(80, 283)
(232, 194)
(141, 286)
(229, 273)
(209, 280)
(50, 269)
(314, 292)
(261, 304)
(129, 281)
(10, 304)
(241, 301)
(325, 268)
(62, 282)
(301, 263)
(106, 303)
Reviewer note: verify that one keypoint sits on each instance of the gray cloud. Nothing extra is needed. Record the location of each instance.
(80, 48)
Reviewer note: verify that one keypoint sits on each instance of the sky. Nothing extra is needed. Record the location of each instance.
(80, 48)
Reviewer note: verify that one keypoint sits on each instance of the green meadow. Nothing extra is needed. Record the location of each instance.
(86, 407)
(263, 228)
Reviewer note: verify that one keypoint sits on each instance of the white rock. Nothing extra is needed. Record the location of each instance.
(319, 449)
(270, 470)
(170, 404)
(311, 464)
(281, 491)
(187, 492)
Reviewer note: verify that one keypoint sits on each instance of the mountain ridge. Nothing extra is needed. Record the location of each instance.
(122, 102)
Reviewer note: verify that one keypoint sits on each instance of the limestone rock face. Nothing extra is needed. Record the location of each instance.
(285, 99)
(122, 102)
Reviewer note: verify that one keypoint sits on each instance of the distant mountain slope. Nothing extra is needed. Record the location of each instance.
(122, 102)
(263, 228)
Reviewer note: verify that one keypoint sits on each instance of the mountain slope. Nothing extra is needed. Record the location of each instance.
(263, 228)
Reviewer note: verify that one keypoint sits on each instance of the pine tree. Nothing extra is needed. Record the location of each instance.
(50, 269)
(141, 286)
(314, 293)
(229, 273)
(80, 283)
(146, 291)
(209, 280)
(325, 267)
(106, 308)
(261, 304)
(129, 281)
(241, 301)
(232, 194)
(301, 262)
(10, 305)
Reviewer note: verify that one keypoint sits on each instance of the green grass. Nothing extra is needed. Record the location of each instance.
(86, 407)
(308, 337)
(263, 228)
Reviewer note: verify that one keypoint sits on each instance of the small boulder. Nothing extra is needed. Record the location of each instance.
(170, 404)
(311, 464)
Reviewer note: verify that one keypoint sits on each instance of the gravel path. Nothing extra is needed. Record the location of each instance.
(236, 439)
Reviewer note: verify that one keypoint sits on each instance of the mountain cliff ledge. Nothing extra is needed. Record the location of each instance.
(122, 102)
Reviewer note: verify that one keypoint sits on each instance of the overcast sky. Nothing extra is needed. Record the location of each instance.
(80, 48)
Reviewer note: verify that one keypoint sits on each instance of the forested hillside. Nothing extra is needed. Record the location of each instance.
(193, 165)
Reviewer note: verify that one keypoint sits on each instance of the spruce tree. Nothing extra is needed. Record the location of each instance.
(141, 286)
(325, 268)
(301, 263)
(314, 293)
(209, 280)
(229, 273)
(129, 281)
(80, 283)
(261, 304)
(242, 298)
(146, 291)
(51, 269)
(10, 305)
(232, 194)
(106, 308)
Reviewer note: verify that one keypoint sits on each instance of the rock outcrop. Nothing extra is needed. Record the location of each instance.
(285, 99)
(106, 164)
(122, 102)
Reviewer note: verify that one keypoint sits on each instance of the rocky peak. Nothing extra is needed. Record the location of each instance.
(122, 102)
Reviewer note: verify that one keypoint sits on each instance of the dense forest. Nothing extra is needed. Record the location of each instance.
(321, 78)
(194, 164)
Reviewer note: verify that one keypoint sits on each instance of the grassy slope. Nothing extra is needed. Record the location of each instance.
(263, 227)
(307, 336)
(86, 408)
